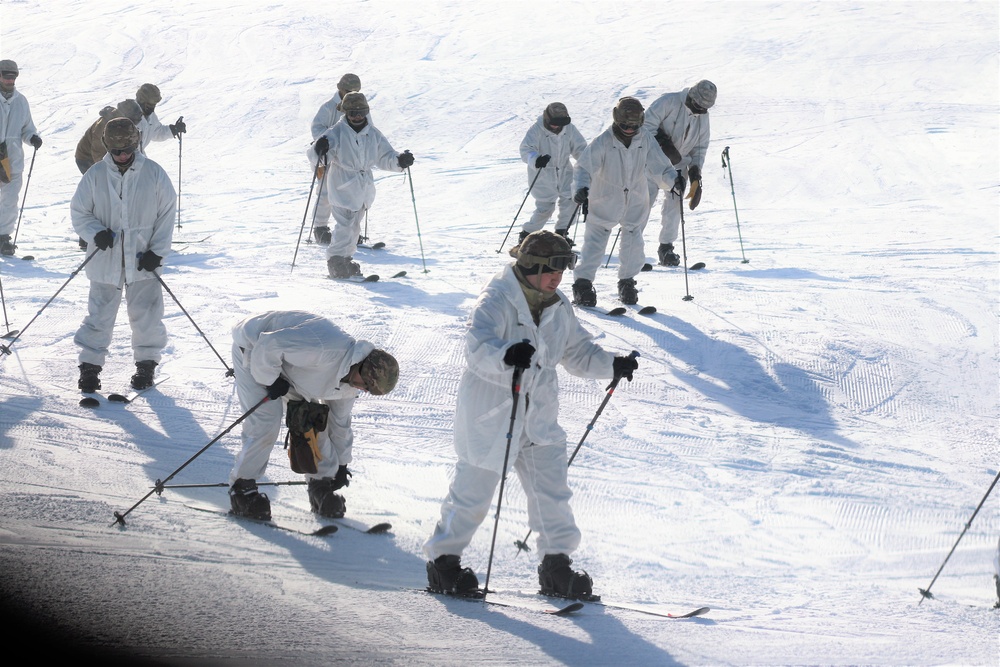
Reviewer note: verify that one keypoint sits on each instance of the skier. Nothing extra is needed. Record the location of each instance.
(612, 176)
(90, 149)
(125, 204)
(321, 369)
(17, 127)
(679, 123)
(521, 320)
(546, 149)
(150, 127)
(351, 148)
(326, 118)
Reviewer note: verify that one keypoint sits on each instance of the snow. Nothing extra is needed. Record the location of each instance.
(803, 443)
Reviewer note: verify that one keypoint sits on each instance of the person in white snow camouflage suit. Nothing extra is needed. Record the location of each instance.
(327, 116)
(546, 149)
(521, 321)
(17, 129)
(319, 370)
(612, 176)
(150, 127)
(125, 206)
(679, 123)
(351, 148)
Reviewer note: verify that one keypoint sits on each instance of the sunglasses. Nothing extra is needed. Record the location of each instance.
(695, 107)
(9, 76)
(121, 151)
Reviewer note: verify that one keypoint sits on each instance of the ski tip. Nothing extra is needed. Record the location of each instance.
(379, 529)
(399, 275)
(28, 258)
(378, 246)
(700, 611)
(89, 402)
(11, 334)
(373, 278)
(325, 530)
(647, 267)
(616, 312)
(118, 398)
(697, 266)
(647, 310)
(568, 609)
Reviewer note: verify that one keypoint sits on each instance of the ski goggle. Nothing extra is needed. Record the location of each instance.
(556, 262)
(122, 151)
(559, 122)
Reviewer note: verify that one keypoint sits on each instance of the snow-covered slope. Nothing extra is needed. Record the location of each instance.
(802, 444)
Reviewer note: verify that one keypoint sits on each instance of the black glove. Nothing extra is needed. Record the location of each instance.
(405, 159)
(341, 480)
(623, 366)
(104, 239)
(179, 127)
(695, 195)
(541, 161)
(518, 355)
(679, 184)
(581, 196)
(667, 146)
(36, 141)
(278, 388)
(149, 261)
(321, 146)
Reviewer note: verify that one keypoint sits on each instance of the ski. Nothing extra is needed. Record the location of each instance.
(11, 334)
(135, 393)
(700, 611)
(374, 246)
(377, 529)
(371, 278)
(480, 596)
(322, 531)
(614, 312)
(697, 266)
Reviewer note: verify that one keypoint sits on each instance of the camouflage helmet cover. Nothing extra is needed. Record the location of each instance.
(7, 65)
(121, 134)
(130, 109)
(349, 83)
(355, 102)
(148, 94)
(380, 372)
(538, 248)
(628, 111)
(703, 94)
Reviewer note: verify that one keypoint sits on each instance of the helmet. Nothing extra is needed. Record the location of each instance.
(8, 66)
(544, 251)
(556, 114)
(628, 111)
(349, 83)
(130, 109)
(354, 102)
(380, 372)
(703, 94)
(148, 95)
(121, 134)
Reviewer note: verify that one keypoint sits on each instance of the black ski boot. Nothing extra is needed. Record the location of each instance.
(324, 501)
(143, 377)
(90, 378)
(584, 293)
(665, 253)
(557, 578)
(7, 246)
(246, 500)
(323, 235)
(342, 267)
(996, 579)
(627, 291)
(445, 574)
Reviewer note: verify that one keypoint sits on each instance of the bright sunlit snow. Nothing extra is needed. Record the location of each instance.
(802, 445)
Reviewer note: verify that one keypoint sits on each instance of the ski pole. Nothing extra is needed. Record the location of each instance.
(726, 163)
(120, 516)
(5, 349)
(409, 175)
(519, 210)
(680, 203)
(180, 155)
(6, 322)
(306, 215)
(515, 390)
(27, 182)
(613, 244)
(926, 592)
(522, 545)
(229, 371)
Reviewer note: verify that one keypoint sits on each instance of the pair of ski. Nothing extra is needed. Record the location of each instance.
(697, 266)
(325, 530)
(371, 278)
(568, 609)
(125, 399)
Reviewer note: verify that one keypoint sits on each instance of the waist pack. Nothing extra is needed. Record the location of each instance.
(305, 421)
(4, 163)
